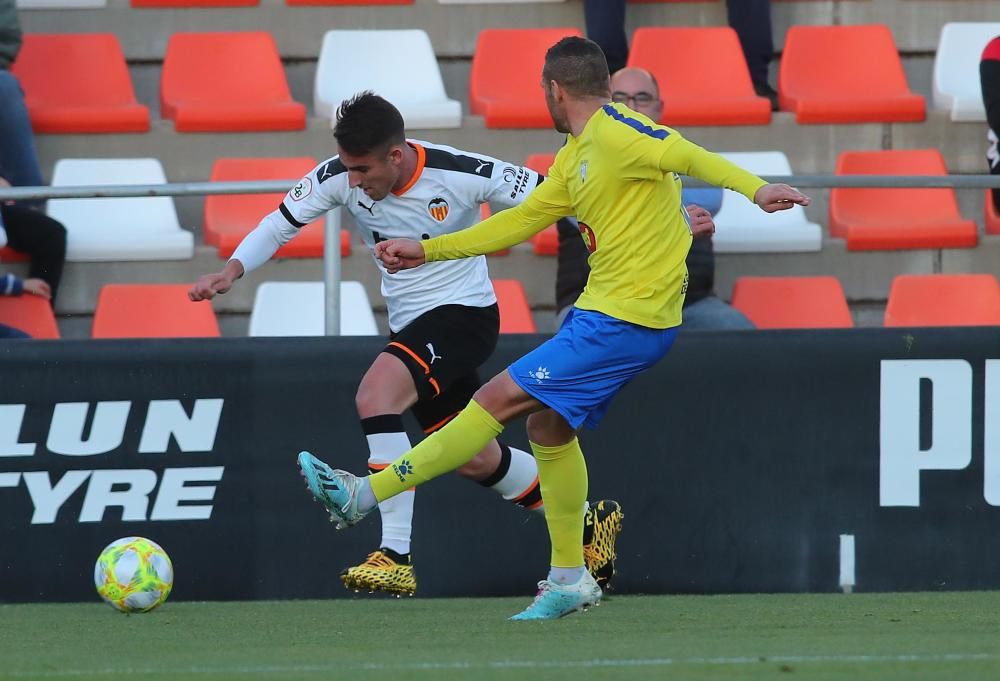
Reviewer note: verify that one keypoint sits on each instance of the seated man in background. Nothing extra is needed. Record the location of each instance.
(11, 285)
(637, 89)
(27, 228)
(989, 74)
(751, 19)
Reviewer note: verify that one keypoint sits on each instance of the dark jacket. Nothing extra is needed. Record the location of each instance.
(10, 33)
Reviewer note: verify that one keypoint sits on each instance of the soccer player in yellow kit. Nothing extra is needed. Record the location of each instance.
(618, 174)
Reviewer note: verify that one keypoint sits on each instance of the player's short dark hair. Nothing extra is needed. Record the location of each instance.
(579, 66)
(367, 123)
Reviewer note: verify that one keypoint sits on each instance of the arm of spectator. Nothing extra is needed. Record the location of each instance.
(37, 287)
(700, 220)
(11, 285)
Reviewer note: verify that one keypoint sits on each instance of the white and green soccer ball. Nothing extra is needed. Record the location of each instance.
(133, 574)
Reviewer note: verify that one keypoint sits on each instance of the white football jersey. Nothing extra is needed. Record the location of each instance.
(445, 195)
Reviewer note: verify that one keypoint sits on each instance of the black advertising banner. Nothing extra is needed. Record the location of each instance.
(765, 461)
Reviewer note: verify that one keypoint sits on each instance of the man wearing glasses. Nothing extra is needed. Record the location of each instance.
(637, 89)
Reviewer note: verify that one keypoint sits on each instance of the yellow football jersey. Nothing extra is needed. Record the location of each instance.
(619, 177)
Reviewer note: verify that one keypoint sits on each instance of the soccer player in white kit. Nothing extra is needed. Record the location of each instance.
(443, 317)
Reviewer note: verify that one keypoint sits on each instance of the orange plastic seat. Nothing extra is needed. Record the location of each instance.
(8, 254)
(229, 218)
(992, 216)
(545, 242)
(886, 219)
(348, 2)
(31, 314)
(194, 3)
(505, 83)
(710, 86)
(845, 74)
(152, 311)
(792, 302)
(78, 83)
(943, 300)
(515, 313)
(227, 82)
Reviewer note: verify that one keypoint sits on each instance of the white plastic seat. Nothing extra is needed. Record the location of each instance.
(142, 228)
(404, 71)
(60, 4)
(283, 308)
(742, 227)
(957, 87)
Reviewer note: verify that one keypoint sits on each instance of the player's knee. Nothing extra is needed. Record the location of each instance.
(370, 401)
(549, 429)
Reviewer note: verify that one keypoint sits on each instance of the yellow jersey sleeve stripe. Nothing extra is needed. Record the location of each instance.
(635, 124)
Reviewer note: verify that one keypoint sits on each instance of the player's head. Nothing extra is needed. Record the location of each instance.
(371, 143)
(575, 69)
(637, 89)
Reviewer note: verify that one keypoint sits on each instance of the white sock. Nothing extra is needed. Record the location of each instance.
(387, 441)
(560, 575)
(516, 478)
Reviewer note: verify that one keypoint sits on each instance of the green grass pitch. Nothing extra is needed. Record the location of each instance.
(952, 636)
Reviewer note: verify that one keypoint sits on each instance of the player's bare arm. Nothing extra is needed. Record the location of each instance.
(210, 285)
(774, 197)
(400, 254)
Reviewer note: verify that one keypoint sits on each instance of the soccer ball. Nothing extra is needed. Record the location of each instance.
(133, 574)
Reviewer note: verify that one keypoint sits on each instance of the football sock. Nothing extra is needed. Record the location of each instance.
(444, 450)
(562, 472)
(560, 575)
(516, 478)
(387, 439)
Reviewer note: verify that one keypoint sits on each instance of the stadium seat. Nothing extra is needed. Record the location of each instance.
(742, 227)
(31, 314)
(493, 2)
(297, 309)
(8, 254)
(792, 302)
(142, 228)
(60, 4)
(78, 83)
(957, 88)
(845, 74)
(992, 216)
(407, 75)
(506, 72)
(885, 219)
(515, 312)
(717, 91)
(152, 311)
(194, 3)
(348, 2)
(227, 82)
(943, 300)
(230, 217)
(546, 242)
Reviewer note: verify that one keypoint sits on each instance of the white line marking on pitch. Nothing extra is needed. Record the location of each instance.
(518, 664)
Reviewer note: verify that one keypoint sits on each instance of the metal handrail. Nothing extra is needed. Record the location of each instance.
(281, 186)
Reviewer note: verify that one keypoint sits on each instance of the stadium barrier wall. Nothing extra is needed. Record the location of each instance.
(740, 461)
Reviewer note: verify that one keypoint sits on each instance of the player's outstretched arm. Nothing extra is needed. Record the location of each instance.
(400, 254)
(210, 285)
(775, 197)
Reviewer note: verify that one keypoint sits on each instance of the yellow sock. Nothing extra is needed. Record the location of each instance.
(562, 474)
(443, 451)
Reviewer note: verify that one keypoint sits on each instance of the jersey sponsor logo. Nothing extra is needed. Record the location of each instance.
(481, 166)
(302, 189)
(370, 209)
(438, 208)
(583, 172)
(588, 236)
(509, 173)
(520, 182)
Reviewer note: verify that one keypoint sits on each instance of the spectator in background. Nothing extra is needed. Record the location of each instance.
(751, 19)
(27, 228)
(13, 286)
(637, 89)
(989, 74)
